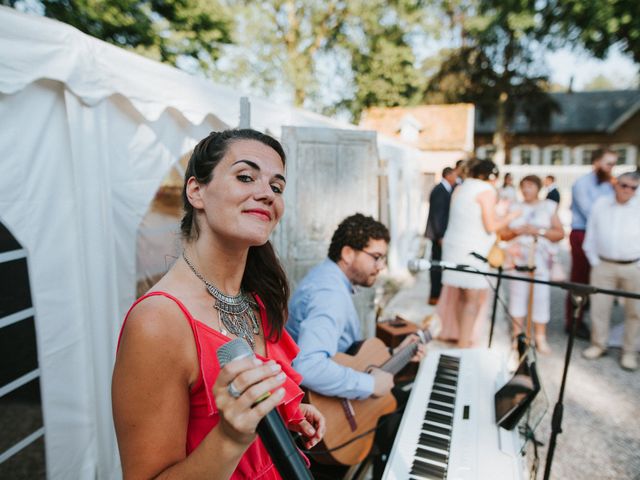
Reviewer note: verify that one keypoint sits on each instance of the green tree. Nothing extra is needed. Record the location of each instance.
(597, 24)
(383, 63)
(279, 42)
(165, 30)
(287, 44)
(495, 67)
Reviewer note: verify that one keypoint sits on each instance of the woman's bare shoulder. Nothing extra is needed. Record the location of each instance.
(157, 320)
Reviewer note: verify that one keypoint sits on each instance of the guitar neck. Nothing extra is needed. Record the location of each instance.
(401, 358)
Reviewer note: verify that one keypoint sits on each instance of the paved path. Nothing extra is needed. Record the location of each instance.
(600, 436)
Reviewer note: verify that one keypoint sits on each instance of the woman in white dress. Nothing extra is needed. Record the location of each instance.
(534, 235)
(472, 226)
(508, 192)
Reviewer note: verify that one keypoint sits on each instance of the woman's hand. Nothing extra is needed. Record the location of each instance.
(312, 428)
(253, 380)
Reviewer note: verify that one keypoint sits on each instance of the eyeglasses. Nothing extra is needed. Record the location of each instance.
(626, 185)
(378, 258)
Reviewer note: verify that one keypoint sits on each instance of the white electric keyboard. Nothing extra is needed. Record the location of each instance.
(448, 430)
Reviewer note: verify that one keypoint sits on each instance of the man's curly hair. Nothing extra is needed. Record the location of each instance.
(356, 231)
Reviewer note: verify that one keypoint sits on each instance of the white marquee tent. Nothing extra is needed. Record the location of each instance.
(87, 133)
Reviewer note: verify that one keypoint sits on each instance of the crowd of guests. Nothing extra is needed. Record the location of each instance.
(470, 215)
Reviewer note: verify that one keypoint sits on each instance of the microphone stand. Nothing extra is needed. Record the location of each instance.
(494, 308)
(579, 294)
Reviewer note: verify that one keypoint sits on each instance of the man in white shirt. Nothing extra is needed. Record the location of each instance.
(612, 246)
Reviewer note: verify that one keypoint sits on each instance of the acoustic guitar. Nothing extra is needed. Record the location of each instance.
(348, 419)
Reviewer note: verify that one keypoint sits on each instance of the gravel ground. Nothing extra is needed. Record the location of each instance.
(600, 436)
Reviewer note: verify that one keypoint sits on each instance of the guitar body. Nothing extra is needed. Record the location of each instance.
(341, 426)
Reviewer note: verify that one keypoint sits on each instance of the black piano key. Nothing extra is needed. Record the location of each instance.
(441, 397)
(449, 358)
(447, 371)
(425, 468)
(445, 389)
(433, 441)
(442, 408)
(431, 455)
(430, 427)
(446, 380)
(423, 476)
(439, 417)
(449, 365)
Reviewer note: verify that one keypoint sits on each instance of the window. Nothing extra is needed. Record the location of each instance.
(486, 152)
(622, 155)
(587, 152)
(525, 156)
(557, 156)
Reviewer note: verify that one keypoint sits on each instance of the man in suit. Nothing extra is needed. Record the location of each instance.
(439, 200)
(552, 189)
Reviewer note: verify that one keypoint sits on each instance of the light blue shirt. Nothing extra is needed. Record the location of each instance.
(584, 193)
(323, 321)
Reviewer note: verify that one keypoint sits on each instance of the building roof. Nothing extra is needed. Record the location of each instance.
(578, 112)
(436, 127)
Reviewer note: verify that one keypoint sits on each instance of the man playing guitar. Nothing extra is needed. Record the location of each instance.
(324, 322)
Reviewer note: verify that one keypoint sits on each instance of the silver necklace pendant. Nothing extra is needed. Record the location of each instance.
(236, 313)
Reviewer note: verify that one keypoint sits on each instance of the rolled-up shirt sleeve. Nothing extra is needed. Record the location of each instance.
(325, 318)
(589, 245)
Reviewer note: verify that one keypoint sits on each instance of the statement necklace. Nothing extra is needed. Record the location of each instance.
(236, 313)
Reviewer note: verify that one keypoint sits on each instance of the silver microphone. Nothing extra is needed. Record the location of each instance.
(416, 265)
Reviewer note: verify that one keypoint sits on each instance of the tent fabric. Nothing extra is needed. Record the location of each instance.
(88, 133)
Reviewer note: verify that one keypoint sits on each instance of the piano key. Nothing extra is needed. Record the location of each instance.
(439, 417)
(440, 407)
(426, 468)
(449, 358)
(441, 397)
(447, 371)
(445, 389)
(427, 454)
(445, 379)
(430, 427)
(434, 441)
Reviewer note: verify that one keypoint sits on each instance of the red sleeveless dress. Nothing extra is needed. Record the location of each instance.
(203, 413)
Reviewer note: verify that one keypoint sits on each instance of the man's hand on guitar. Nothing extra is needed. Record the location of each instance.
(421, 352)
(383, 382)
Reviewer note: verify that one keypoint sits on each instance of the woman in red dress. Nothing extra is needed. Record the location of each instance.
(176, 413)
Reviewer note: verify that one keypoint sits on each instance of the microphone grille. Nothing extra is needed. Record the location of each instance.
(414, 265)
(235, 349)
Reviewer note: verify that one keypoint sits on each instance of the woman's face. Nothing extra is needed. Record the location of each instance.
(243, 201)
(529, 191)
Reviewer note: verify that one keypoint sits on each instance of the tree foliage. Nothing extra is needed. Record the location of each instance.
(495, 67)
(597, 24)
(358, 47)
(383, 63)
(161, 29)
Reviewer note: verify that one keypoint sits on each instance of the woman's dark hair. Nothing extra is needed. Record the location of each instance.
(263, 273)
(507, 176)
(356, 231)
(483, 169)
(532, 179)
